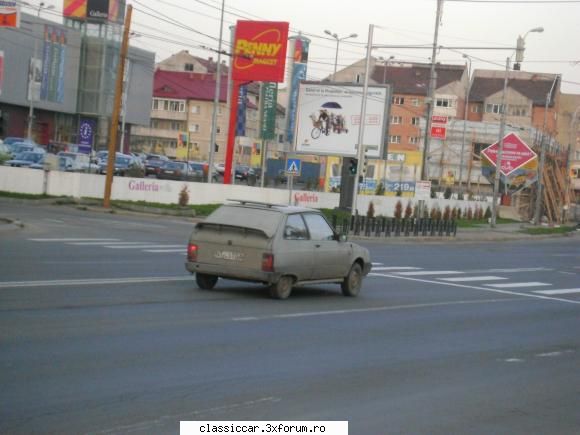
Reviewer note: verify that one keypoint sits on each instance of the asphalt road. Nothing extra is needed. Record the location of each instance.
(102, 331)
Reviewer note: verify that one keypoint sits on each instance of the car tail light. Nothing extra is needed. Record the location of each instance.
(192, 252)
(268, 262)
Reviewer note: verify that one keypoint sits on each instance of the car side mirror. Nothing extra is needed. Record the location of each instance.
(340, 237)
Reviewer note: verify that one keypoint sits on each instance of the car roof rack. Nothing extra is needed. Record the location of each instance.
(263, 204)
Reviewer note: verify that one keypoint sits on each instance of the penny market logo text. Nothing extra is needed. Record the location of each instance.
(252, 52)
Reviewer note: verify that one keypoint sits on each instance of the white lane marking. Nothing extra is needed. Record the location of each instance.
(524, 269)
(513, 360)
(548, 354)
(559, 292)
(71, 240)
(106, 243)
(396, 268)
(376, 264)
(145, 426)
(103, 281)
(519, 285)
(367, 310)
(505, 292)
(182, 250)
(430, 272)
(144, 246)
(55, 221)
(473, 278)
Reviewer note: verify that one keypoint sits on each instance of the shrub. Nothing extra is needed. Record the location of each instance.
(408, 210)
(469, 214)
(426, 212)
(416, 211)
(487, 214)
(380, 190)
(433, 213)
(479, 213)
(398, 210)
(183, 196)
(135, 172)
(454, 213)
(447, 213)
(447, 194)
(371, 210)
(439, 214)
(459, 212)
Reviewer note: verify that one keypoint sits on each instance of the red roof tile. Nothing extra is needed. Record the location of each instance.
(187, 86)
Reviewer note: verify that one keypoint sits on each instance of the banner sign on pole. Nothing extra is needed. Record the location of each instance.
(268, 103)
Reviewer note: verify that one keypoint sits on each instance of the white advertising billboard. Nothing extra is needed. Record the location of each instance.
(328, 119)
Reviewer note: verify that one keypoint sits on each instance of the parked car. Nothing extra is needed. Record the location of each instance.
(81, 162)
(54, 163)
(204, 167)
(12, 140)
(26, 158)
(243, 172)
(123, 163)
(279, 246)
(21, 147)
(4, 153)
(176, 170)
(153, 165)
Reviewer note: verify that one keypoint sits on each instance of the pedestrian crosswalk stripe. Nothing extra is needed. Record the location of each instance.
(165, 250)
(429, 272)
(72, 240)
(519, 284)
(144, 247)
(558, 292)
(473, 278)
(106, 243)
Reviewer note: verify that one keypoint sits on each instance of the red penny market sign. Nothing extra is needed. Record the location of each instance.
(260, 51)
(516, 153)
(438, 132)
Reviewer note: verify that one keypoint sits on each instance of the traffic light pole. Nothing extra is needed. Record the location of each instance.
(363, 111)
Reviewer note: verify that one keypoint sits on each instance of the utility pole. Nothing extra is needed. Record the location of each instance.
(363, 112)
(431, 97)
(116, 109)
(465, 113)
(124, 105)
(216, 99)
(497, 176)
(31, 80)
(540, 189)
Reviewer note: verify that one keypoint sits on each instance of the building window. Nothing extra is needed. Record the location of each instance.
(493, 108)
(476, 108)
(157, 104)
(195, 109)
(399, 101)
(415, 102)
(218, 130)
(413, 140)
(154, 123)
(194, 128)
(396, 119)
(188, 67)
(518, 110)
(176, 125)
(176, 106)
(444, 102)
(394, 139)
(477, 149)
(357, 78)
(415, 120)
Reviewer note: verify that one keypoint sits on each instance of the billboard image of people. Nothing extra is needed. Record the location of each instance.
(328, 119)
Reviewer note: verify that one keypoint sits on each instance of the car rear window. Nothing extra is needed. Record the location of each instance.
(262, 219)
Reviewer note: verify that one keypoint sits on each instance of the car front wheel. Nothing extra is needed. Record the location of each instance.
(282, 289)
(205, 282)
(353, 282)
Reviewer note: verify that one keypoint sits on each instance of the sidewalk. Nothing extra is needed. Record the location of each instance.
(482, 233)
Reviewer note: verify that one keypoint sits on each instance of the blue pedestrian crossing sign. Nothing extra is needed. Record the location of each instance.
(293, 167)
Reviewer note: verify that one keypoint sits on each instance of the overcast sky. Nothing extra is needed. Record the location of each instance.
(465, 23)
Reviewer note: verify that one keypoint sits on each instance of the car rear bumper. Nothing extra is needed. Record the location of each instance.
(233, 272)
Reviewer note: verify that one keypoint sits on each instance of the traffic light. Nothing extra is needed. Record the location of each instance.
(352, 167)
(365, 164)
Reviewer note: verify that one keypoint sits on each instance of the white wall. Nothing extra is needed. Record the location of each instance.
(79, 185)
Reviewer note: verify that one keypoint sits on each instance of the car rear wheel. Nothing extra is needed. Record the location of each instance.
(205, 282)
(353, 282)
(283, 288)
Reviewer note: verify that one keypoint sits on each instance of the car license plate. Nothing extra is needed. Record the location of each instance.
(229, 255)
(169, 172)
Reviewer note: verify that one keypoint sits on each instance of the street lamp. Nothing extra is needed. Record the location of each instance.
(503, 110)
(335, 36)
(521, 45)
(467, 90)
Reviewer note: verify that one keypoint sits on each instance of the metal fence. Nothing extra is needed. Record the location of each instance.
(391, 227)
